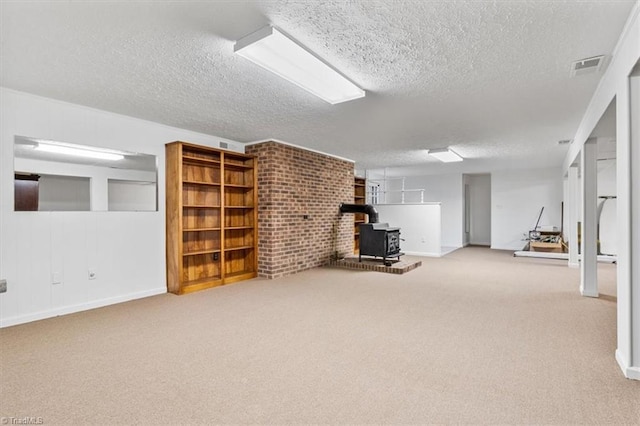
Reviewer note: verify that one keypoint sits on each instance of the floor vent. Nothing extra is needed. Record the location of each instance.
(587, 66)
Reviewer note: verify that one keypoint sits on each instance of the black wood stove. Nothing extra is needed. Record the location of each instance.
(376, 239)
(379, 240)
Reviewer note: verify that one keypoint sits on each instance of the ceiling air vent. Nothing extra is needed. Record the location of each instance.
(587, 66)
(223, 145)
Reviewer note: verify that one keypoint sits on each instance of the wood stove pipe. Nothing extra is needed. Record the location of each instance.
(361, 208)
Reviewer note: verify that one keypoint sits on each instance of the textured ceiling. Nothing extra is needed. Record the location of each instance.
(490, 79)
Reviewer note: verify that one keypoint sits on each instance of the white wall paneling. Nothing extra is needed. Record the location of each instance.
(124, 249)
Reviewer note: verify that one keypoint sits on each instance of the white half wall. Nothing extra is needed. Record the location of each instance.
(420, 226)
(447, 190)
(126, 250)
(517, 197)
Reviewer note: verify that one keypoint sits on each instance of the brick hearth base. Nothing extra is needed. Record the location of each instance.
(376, 265)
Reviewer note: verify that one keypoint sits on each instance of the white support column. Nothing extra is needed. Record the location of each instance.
(634, 185)
(573, 213)
(628, 291)
(588, 247)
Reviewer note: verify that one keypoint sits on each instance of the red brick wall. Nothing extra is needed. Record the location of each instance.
(292, 183)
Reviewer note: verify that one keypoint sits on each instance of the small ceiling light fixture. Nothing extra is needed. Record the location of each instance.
(273, 50)
(446, 155)
(78, 152)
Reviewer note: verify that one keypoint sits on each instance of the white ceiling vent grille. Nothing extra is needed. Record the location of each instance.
(587, 66)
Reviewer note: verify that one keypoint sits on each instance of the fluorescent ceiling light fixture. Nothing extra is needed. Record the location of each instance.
(78, 152)
(445, 155)
(273, 50)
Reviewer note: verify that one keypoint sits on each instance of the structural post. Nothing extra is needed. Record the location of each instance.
(573, 214)
(634, 185)
(628, 273)
(589, 242)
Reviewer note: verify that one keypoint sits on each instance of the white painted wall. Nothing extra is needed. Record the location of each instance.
(126, 195)
(608, 224)
(448, 191)
(125, 249)
(480, 209)
(64, 193)
(420, 226)
(517, 197)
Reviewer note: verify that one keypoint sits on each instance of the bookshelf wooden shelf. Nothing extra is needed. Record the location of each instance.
(228, 185)
(238, 248)
(211, 217)
(195, 253)
(188, 182)
(188, 159)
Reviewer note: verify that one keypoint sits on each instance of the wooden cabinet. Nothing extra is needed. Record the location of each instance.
(359, 197)
(26, 194)
(211, 217)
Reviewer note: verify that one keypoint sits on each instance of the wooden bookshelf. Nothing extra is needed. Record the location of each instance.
(359, 197)
(211, 217)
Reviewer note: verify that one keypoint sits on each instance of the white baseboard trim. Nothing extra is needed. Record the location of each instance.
(422, 253)
(562, 256)
(21, 319)
(632, 373)
(588, 293)
(445, 250)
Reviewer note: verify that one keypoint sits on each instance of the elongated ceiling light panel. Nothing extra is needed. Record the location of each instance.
(445, 155)
(77, 152)
(271, 49)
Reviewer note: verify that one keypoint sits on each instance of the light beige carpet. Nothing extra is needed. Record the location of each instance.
(475, 337)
